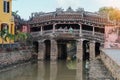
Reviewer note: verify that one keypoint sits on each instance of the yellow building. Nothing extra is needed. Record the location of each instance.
(6, 18)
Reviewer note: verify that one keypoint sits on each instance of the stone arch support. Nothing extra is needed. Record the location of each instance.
(54, 50)
(92, 50)
(41, 50)
(79, 50)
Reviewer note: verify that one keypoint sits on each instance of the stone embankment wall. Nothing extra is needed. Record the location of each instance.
(111, 65)
(15, 57)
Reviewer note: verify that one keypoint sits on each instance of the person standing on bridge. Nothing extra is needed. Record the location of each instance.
(65, 29)
(71, 30)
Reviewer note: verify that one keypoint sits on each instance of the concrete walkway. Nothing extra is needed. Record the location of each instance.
(97, 71)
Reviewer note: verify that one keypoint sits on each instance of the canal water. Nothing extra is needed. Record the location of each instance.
(60, 70)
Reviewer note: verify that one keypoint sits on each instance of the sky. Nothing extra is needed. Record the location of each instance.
(26, 7)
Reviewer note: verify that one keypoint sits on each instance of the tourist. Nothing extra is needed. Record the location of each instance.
(65, 29)
(71, 30)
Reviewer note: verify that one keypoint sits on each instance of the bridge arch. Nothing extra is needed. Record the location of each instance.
(97, 48)
(36, 49)
(66, 49)
(86, 53)
(47, 49)
(53, 49)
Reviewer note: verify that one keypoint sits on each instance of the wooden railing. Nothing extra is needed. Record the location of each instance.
(59, 32)
(47, 32)
(35, 34)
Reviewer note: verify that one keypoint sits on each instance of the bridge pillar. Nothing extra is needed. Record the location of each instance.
(92, 50)
(79, 54)
(54, 50)
(41, 50)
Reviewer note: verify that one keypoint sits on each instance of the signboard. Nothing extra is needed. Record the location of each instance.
(112, 37)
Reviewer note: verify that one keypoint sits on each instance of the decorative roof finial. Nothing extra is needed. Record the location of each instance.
(69, 9)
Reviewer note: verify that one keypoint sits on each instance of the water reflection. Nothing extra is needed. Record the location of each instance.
(53, 70)
(41, 70)
(60, 70)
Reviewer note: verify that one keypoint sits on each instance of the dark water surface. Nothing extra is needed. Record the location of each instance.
(60, 70)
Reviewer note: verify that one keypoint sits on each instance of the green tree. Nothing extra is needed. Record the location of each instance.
(15, 13)
(114, 13)
(21, 36)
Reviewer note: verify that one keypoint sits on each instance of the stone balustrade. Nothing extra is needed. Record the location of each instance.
(111, 60)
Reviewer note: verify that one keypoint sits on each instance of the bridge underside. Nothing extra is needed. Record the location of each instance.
(67, 49)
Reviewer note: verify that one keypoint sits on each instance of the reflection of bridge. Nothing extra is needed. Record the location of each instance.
(50, 29)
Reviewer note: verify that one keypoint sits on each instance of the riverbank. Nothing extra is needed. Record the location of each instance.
(14, 58)
(98, 71)
(111, 59)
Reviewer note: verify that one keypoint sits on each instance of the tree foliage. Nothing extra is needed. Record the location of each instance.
(114, 13)
(21, 36)
(15, 13)
(4, 34)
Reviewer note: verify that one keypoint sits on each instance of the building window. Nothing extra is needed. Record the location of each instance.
(6, 6)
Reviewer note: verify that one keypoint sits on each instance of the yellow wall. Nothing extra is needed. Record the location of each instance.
(7, 19)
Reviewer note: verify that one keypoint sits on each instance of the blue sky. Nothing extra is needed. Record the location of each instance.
(26, 7)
